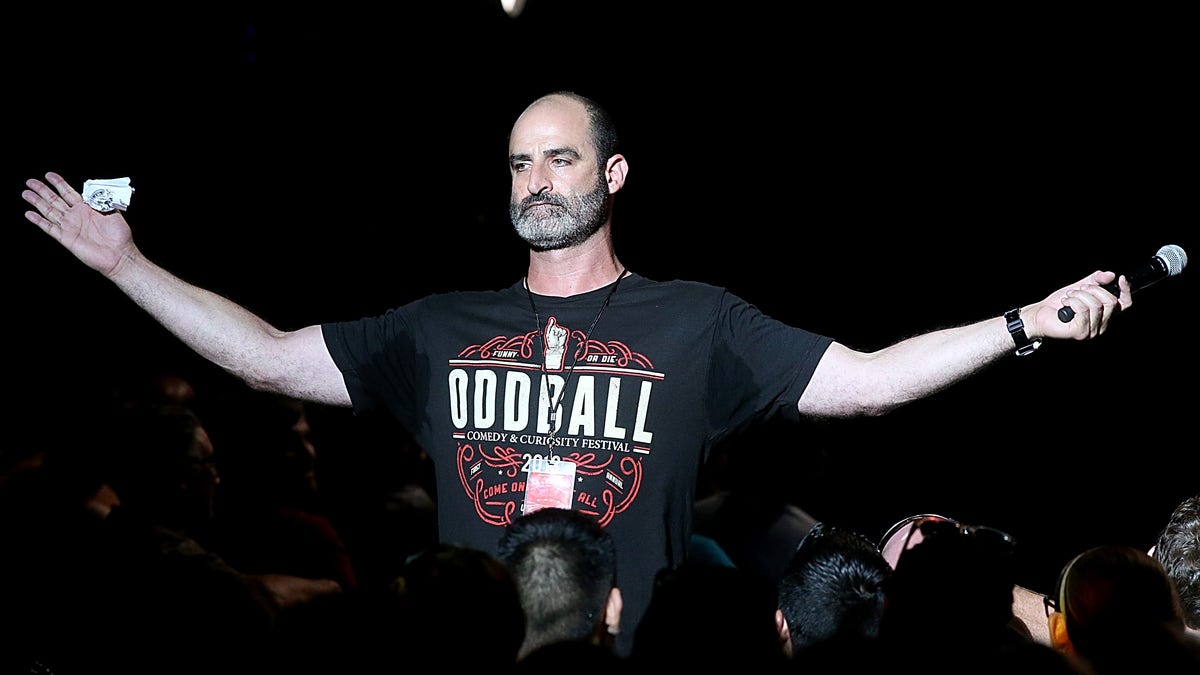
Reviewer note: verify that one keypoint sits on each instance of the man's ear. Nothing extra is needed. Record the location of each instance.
(612, 611)
(1058, 633)
(615, 170)
(785, 634)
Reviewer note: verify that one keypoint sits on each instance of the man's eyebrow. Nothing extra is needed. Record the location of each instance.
(552, 152)
(556, 152)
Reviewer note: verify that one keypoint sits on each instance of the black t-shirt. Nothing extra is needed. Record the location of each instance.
(669, 369)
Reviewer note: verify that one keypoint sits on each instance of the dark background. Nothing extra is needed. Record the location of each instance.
(863, 173)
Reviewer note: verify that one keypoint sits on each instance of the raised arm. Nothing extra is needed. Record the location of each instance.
(295, 363)
(849, 383)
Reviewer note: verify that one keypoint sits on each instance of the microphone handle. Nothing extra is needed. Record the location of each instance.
(1065, 314)
(1138, 278)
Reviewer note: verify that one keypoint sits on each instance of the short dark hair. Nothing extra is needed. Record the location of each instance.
(565, 566)
(1178, 550)
(601, 126)
(833, 587)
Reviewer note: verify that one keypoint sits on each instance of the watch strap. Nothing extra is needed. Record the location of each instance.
(1016, 328)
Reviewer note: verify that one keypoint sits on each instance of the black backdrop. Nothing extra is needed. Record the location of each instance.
(866, 174)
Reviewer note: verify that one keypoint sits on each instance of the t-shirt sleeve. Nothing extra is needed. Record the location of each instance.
(376, 356)
(761, 365)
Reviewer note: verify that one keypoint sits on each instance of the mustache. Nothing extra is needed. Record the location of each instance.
(548, 198)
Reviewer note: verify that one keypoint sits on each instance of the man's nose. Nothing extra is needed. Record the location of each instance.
(539, 180)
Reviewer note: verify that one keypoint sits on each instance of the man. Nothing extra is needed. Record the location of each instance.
(832, 590)
(565, 566)
(1177, 548)
(583, 384)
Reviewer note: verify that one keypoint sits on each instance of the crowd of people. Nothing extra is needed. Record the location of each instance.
(164, 530)
(169, 533)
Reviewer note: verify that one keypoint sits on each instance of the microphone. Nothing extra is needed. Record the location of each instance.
(1168, 262)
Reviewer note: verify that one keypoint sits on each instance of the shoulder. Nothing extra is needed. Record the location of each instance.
(676, 289)
(442, 301)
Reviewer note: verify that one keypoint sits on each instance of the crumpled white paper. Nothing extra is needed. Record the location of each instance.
(108, 194)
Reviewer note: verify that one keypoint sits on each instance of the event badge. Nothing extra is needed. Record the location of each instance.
(550, 483)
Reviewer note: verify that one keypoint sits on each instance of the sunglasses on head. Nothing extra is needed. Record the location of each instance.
(912, 530)
(821, 530)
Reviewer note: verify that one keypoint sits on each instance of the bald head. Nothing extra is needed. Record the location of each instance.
(569, 108)
(561, 154)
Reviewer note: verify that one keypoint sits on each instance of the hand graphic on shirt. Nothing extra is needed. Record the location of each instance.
(556, 345)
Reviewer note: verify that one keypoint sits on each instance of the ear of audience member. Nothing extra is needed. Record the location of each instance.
(1117, 609)
(832, 589)
(1177, 549)
(565, 566)
(701, 615)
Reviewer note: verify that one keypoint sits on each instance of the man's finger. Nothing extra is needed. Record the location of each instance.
(68, 193)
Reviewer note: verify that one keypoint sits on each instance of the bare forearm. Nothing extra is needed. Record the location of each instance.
(848, 383)
(222, 331)
(926, 364)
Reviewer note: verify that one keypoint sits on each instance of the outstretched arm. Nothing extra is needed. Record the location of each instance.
(849, 383)
(295, 363)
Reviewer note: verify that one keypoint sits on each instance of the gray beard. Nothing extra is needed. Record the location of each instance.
(562, 222)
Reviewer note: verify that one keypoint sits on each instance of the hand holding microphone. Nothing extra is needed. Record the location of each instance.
(1168, 262)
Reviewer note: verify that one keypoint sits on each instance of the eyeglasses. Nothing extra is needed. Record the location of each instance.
(818, 530)
(1051, 601)
(1051, 605)
(821, 530)
(915, 528)
(896, 539)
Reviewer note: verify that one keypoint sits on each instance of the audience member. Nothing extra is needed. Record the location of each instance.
(1116, 608)
(272, 516)
(1177, 549)
(52, 505)
(565, 566)
(448, 587)
(450, 605)
(951, 590)
(702, 615)
(751, 513)
(832, 590)
(1029, 618)
(173, 604)
(377, 486)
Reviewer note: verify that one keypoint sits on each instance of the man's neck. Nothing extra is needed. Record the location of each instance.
(572, 271)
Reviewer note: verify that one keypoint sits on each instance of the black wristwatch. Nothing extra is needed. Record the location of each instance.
(1016, 328)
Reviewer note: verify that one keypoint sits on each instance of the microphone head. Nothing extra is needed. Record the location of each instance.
(1174, 258)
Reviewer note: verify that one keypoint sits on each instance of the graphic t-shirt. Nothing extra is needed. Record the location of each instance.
(668, 370)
